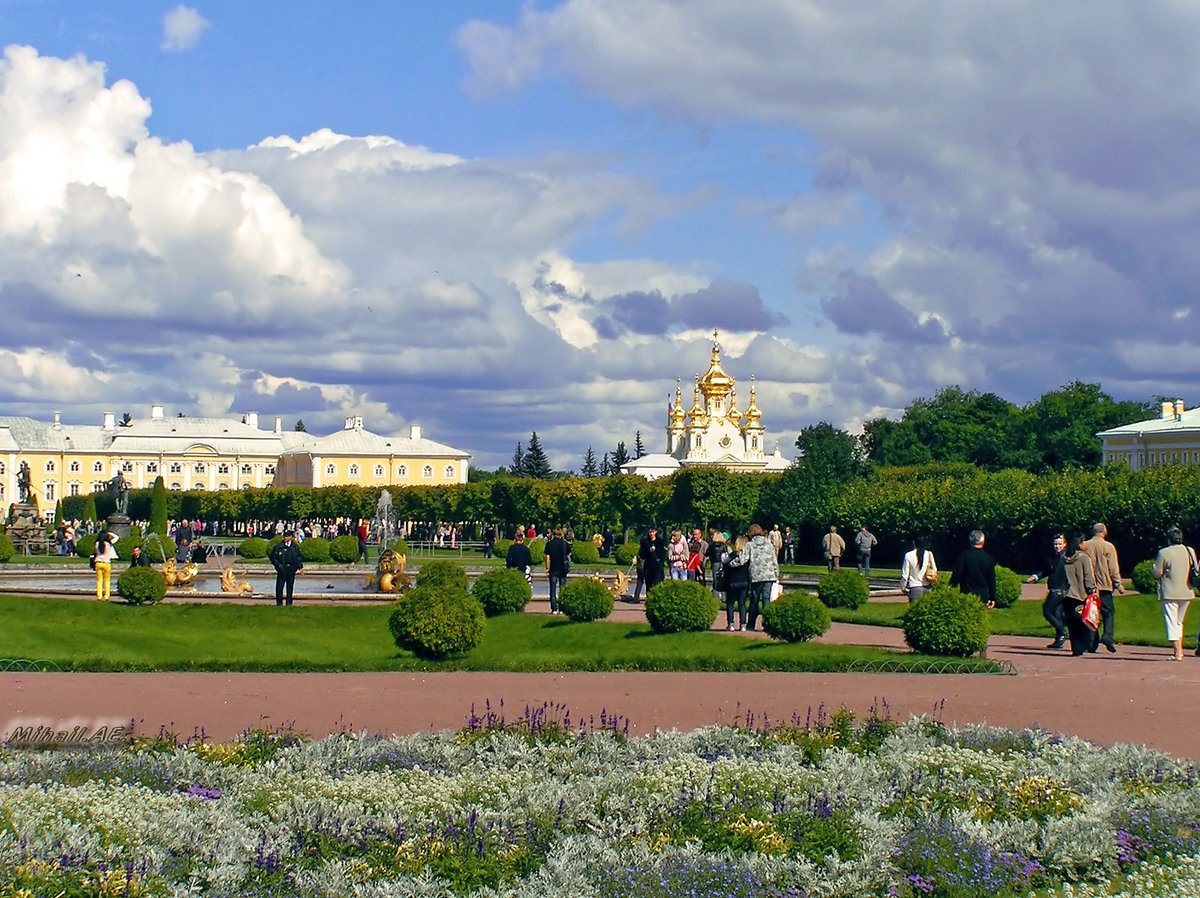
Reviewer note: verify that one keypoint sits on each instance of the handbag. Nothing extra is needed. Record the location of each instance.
(718, 577)
(1090, 611)
(92, 562)
(1193, 571)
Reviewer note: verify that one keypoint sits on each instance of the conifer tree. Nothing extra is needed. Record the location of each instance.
(620, 456)
(89, 509)
(518, 462)
(638, 449)
(605, 468)
(158, 508)
(536, 464)
(589, 464)
(300, 428)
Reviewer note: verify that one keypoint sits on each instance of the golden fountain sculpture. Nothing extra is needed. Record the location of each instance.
(177, 575)
(619, 587)
(389, 573)
(230, 582)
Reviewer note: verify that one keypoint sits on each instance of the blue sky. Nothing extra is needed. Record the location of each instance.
(492, 218)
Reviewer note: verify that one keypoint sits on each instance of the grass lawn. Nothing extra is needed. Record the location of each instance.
(81, 635)
(43, 560)
(1138, 619)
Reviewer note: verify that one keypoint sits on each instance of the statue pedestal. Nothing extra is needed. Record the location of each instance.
(118, 524)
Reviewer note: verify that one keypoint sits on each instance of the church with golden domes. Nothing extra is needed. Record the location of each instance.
(714, 431)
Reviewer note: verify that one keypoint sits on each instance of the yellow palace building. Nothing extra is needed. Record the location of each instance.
(212, 454)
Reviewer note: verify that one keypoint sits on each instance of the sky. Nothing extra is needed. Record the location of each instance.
(493, 218)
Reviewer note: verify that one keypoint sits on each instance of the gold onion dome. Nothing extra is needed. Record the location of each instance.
(677, 413)
(715, 382)
(733, 416)
(697, 411)
(753, 415)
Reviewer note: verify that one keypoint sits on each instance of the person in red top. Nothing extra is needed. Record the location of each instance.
(362, 541)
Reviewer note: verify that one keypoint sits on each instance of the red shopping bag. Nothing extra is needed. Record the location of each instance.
(1090, 612)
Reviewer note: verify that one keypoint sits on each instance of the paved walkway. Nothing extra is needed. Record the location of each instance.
(1136, 695)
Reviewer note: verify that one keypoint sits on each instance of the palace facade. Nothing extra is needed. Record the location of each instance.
(714, 431)
(1171, 438)
(212, 454)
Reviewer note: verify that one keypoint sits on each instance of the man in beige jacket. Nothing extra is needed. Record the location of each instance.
(833, 546)
(1108, 580)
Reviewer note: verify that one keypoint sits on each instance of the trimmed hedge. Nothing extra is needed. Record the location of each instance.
(843, 588)
(1008, 587)
(675, 606)
(344, 549)
(502, 590)
(437, 621)
(946, 621)
(625, 553)
(252, 547)
(315, 549)
(443, 573)
(400, 546)
(501, 547)
(537, 549)
(796, 617)
(7, 549)
(585, 600)
(142, 585)
(1143, 578)
(583, 552)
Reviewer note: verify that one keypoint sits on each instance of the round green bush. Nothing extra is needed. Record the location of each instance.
(502, 590)
(344, 549)
(625, 553)
(946, 621)
(843, 589)
(502, 546)
(796, 617)
(150, 544)
(443, 573)
(142, 585)
(674, 606)
(1143, 578)
(253, 547)
(584, 599)
(437, 621)
(400, 546)
(273, 542)
(85, 545)
(315, 549)
(537, 550)
(583, 552)
(7, 549)
(1008, 587)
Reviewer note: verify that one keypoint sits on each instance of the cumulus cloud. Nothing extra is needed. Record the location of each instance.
(183, 26)
(1031, 163)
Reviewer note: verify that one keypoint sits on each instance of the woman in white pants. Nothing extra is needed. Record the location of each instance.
(1171, 568)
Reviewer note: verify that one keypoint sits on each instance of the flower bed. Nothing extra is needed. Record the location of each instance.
(542, 806)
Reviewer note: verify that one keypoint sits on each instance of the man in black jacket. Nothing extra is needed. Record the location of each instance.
(137, 558)
(519, 557)
(653, 553)
(287, 561)
(558, 564)
(975, 571)
(1056, 587)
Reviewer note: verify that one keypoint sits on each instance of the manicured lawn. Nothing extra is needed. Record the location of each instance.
(83, 635)
(1138, 619)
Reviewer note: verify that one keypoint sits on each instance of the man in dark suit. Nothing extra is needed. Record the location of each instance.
(975, 571)
(652, 552)
(288, 562)
(1056, 588)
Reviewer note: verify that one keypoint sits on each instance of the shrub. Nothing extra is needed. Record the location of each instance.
(843, 589)
(443, 573)
(537, 549)
(946, 621)
(316, 549)
(674, 606)
(85, 545)
(502, 546)
(344, 549)
(583, 552)
(400, 546)
(142, 585)
(437, 621)
(796, 617)
(502, 590)
(273, 542)
(253, 547)
(585, 600)
(7, 549)
(625, 553)
(1143, 578)
(1008, 587)
(150, 544)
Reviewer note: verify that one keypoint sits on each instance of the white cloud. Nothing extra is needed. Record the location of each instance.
(182, 28)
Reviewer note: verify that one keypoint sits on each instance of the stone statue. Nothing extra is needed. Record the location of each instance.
(118, 491)
(24, 483)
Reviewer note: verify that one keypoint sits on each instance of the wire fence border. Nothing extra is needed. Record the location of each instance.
(924, 666)
(29, 665)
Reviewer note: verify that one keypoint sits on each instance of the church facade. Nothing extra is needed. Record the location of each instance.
(714, 431)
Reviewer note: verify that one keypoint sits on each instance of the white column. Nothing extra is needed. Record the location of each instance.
(317, 471)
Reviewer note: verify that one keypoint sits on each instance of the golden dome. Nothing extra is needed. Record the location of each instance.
(715, 382)
(697, 412)
(753, 415)
(677, 414)
(733, 416)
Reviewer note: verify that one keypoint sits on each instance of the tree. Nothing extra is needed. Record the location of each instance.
(126, 419)
(1062, 424)
(157, 522)
(638, 449)
(300, 428)
(829, 454)
(620, 456)
(605, 466)
(518, 461)
(89, 508)
(590, 469)
(535, 464)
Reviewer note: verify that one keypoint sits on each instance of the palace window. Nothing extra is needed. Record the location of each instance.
(449, 472)
(75, 488)
(247, 470)
(50, 491)
(176, 485)
(427, 471)
(151, 467)
(753, 442)
(98, 467)
(402, 471)
(74, 468)
(127, 466)
(222, 486)
(379, 470)
(97, 486)
(270, 469)
(199, 467)
(353, 470)
(50, 467)
(331, 470)
(1, 467)
(223, 468)
(197, 485)
(176, 468)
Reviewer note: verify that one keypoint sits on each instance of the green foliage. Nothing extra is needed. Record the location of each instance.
(585, 600)
(502, 590)
(946, 621)
(534, 462)
(400, 546)
(715, 497)
(437, 621)
(1008, 587)
(253, 547)
(316, 549)
(624, 553)
(584, 552)
(343, 549)
(537, 551)
(795, 617)
(89, 508)
(1143, 578)
(7, 549)
(85, 545)
(502, 546)
(443, 573)
(156, 547)
(157, 522)
(843, 588)
(675, 606)
(142, 585)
